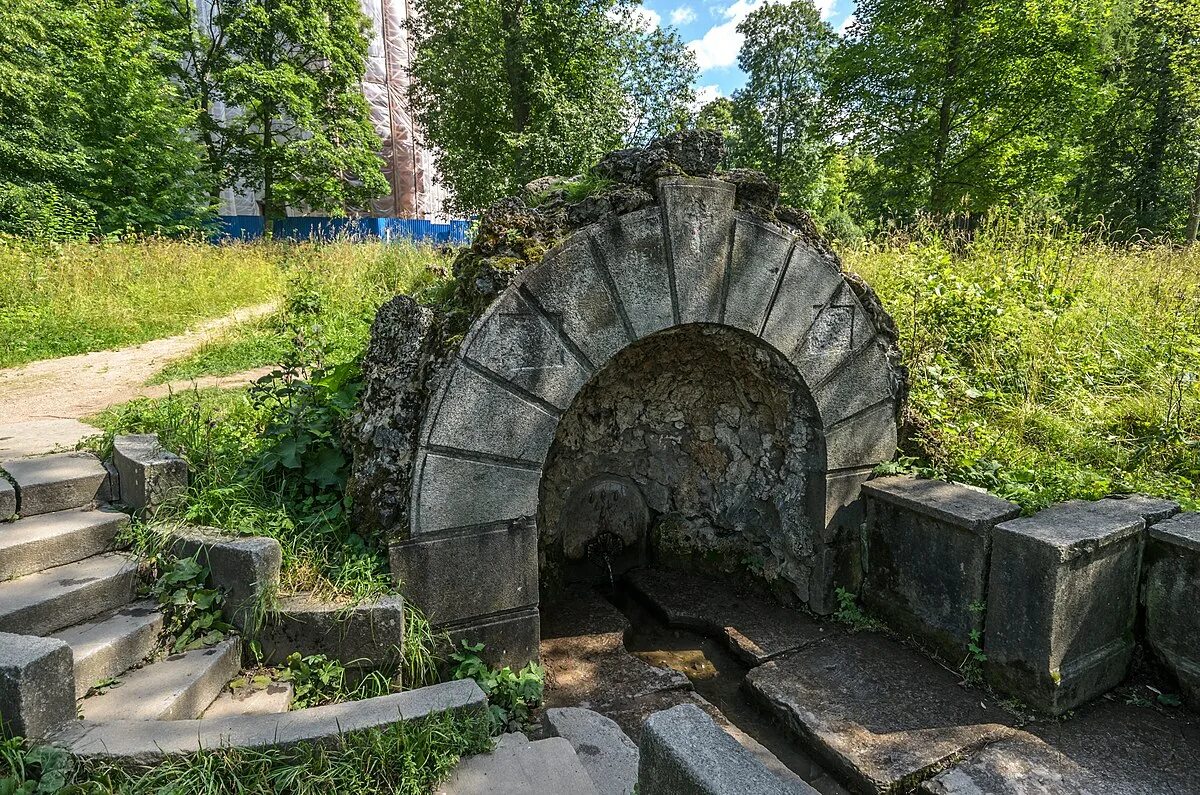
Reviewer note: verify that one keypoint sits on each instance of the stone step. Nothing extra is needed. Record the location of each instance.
(112, 644)
(179, 687)
(518, 768)
(42, 603)
(58, 482)
(606, 753)
(249, 700)
(55, 539)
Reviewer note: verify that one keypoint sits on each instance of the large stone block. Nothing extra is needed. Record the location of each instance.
(511, 639)
(480, 414)
(8, 499)
(1172, 593)
(684, 751)
(862, 382)
(1062, 599)
(55, 482)
(459, 492)
(809, 285)
(149, 475)
(927, 558)
(37, 686)
(760, 253)
(699, 215)
(608, 755)
(456, 576)
(866, 439)
(631, 247)
(364, 635)
(841, 329)
(245, 568)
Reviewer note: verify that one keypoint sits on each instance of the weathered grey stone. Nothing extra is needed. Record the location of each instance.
(38, 604)
(178, 687)
(863, 381)
(248, 699)
(520, 345)
(521, 768)
(1171, 587)
(55, 482)
(364, 635)
(760, 253)
(1152, 509)
(55, 539)
(841, 329)
(149, 475)
(113, 644)
(608, 755)
(604, 505)
(246, 568)
(866, 439)
(458, 492)
(572, 287)
(756, 192)
(35, 686)
(148, 742)
(683, 751)
(509, 639)
(631, 247)
(699, 223)
(8, 499)
(876, 713)
(1062, 598)
(927, 558)
(478, 414)
(698, 152)
(809, 284)
(456, 576)
(756, 628)
(111, 490)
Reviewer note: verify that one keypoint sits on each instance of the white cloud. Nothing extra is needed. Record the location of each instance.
(825, 7)
(719, 46)
(705, 95)
(642, 17)
(845, 26)
(683, 15)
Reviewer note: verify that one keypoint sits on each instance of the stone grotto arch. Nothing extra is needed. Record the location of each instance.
(692, 272)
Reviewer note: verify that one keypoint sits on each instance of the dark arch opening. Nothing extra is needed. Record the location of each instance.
(699, 445)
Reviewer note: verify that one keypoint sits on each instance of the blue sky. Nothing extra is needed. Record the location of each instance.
(711, 32)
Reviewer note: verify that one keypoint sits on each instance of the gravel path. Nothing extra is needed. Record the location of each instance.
(41, 403)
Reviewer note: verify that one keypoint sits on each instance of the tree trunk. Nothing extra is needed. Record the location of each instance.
(515, 72)
(1193, 226)
(1162, 130)
(268, 166)
(957, 9)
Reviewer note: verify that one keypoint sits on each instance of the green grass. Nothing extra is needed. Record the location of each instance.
(58, 300)
(1045, 366)
(247, 346)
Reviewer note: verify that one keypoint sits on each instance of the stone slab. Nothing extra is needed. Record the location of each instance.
(754, 627)
(928, 545)
(1105, 749)
(246, 568)
(47, 540)
(454, 491)
(545, 766)
(951, 503)
(867, 439)
(55, 482)
(36, 697)
(509, 639)
(809, 284)
(876, 713)
(683, 750)
(861, 381)
(149, 475)
(8, 499)
(112, 644)
(631, 247)
(459, 575)
(479, 415)
(363, 635)
(760, 253)
(1171, 594)
(250, 700)
(148, 742)
(699, 230)
(1062, 600)
(42, 603)
(608, 755)
(177, 687)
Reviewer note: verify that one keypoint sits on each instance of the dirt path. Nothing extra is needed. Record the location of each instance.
(41, 403)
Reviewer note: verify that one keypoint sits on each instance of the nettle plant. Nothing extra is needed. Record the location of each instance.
(192, 609)
(512, 695)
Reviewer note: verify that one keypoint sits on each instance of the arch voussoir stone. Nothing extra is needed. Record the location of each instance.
(693, 258)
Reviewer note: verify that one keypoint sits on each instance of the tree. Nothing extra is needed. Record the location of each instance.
(783, 55)
(93, 138)
(968, 104)
(293, 69)
(510, 90)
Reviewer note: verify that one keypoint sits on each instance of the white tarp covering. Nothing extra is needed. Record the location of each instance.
(408, 164)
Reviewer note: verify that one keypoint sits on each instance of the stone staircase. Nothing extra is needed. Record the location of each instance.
(63, 576)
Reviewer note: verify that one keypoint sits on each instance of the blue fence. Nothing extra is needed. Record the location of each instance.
(250, 227)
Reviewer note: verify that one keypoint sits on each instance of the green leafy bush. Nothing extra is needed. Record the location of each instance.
(512, 695)
(192, 609)
(319, 680)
